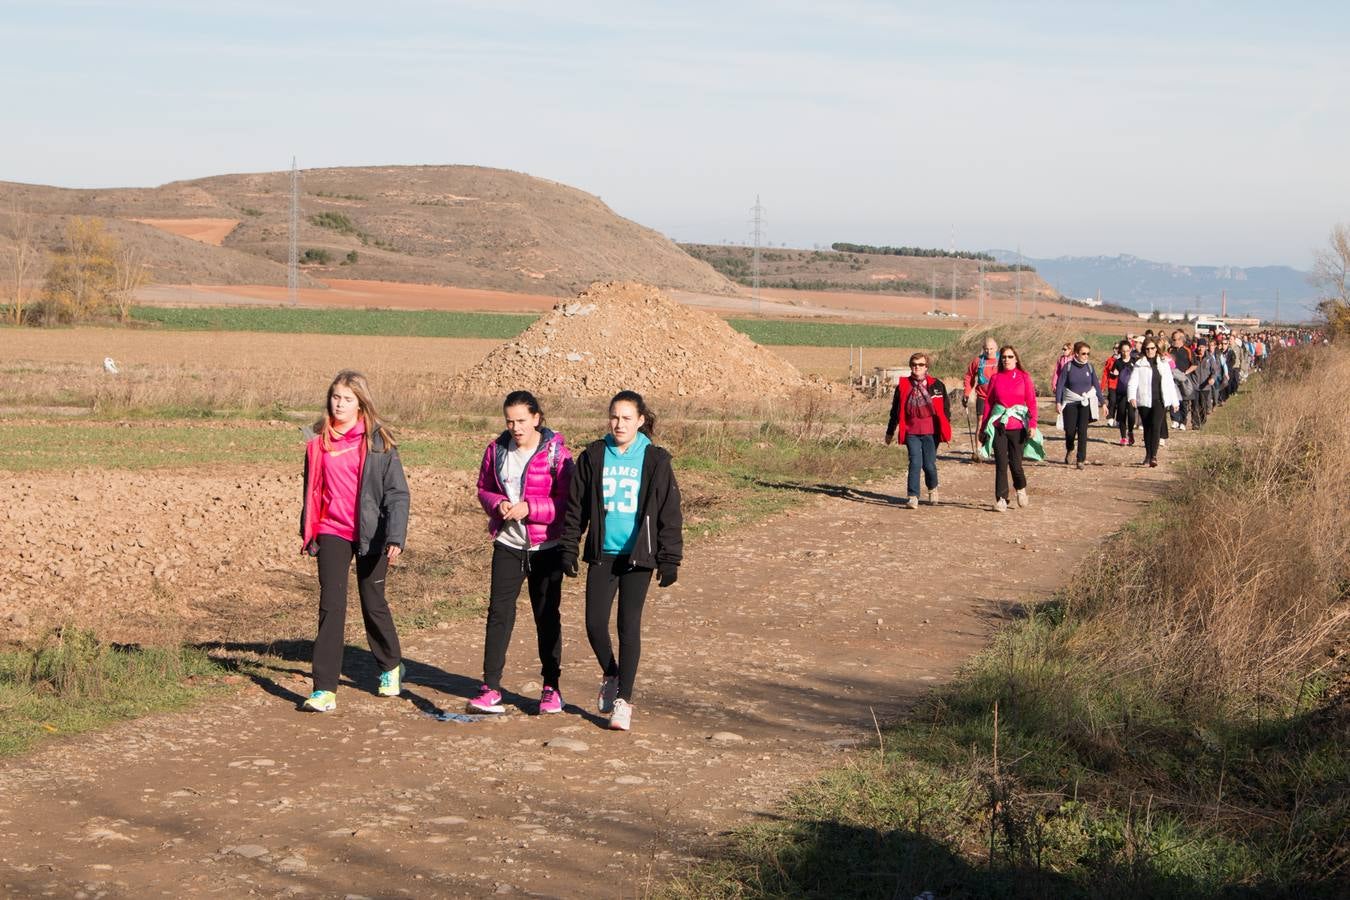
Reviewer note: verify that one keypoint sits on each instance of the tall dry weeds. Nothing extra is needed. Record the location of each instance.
(1240, 585)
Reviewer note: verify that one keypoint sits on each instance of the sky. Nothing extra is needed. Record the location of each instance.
(1196, 133)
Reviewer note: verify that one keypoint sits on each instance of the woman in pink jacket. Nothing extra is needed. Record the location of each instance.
(523, 486)
(1009, 424)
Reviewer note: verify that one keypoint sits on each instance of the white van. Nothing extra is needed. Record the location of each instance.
(1210, 326)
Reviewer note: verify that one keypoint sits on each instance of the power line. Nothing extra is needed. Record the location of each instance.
(981, 289)
(293, 257)
(758, 222)
(953, 270)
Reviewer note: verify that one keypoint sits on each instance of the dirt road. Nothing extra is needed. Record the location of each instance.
(761, 666)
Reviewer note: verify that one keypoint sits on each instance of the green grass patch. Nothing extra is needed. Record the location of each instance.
(72, 682)
(502, 326)
(381, 322)
(777, 332)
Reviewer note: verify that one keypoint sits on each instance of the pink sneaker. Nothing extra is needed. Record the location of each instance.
(550, 701)
(487, 701)
(1124, 442)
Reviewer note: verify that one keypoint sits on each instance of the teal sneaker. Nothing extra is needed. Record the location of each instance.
(391, 682)
(320, 701)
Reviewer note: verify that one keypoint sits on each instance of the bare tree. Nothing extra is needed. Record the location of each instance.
(1331, 276)
(22, 258)
(129, 276)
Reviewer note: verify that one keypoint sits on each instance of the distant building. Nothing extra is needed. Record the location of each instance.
(1087, 301)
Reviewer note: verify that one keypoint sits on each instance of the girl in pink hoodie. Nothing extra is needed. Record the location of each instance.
(523, 485)
(355, 509)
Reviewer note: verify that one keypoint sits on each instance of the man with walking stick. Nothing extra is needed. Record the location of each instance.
(975, 386)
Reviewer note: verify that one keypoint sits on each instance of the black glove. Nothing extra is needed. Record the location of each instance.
(666, 575)
(570, 568)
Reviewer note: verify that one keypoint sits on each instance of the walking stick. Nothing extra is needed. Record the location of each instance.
(970, 430)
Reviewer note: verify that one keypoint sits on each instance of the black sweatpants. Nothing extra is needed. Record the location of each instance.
(611, 575)
(335, 561)
(1008, 456)
(1076, 420)
(1152, 418)
(1200, 407)
(1125, 418)
(511, 568)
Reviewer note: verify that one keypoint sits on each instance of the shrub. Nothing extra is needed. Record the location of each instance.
(335, 222)
(316, 256)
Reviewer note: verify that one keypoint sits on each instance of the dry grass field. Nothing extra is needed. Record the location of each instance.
(204, 373)
(168, 369)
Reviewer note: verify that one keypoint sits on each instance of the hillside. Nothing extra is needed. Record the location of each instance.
(906, 275)
(460, 225)
(1145, 284)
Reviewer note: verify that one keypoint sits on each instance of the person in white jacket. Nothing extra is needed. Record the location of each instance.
(1152, 391)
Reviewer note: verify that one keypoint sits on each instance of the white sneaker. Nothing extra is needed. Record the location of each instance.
(1022, 497)
(609, 689)
(1110, 423)
(1181, 426)
(912, 503)
(933, 497)
(622, 717)
(1001, 505)
(1162, 442)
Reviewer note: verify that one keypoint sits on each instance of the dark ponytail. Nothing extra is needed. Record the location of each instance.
(649, 424)
(527, 400)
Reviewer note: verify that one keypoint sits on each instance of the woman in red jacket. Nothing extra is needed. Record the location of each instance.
(920, 421)
(522, 486)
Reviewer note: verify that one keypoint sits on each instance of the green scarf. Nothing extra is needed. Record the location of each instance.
(1033, 449)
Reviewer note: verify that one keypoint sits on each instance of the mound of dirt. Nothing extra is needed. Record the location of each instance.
(626, 335)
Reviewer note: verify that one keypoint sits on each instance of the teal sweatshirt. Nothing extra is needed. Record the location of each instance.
(621, 483)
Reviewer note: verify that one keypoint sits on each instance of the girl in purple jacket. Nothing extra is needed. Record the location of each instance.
(523, 485)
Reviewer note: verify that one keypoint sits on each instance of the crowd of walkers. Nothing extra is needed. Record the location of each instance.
(1150, 384)
(615, 507)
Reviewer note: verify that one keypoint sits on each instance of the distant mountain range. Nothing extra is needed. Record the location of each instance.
(1145, 285)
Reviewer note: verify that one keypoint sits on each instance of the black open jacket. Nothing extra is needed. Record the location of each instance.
(660, 537)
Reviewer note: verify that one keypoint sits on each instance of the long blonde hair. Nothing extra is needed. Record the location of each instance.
(355, 382)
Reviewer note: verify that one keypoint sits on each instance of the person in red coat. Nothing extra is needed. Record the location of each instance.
(920, 421)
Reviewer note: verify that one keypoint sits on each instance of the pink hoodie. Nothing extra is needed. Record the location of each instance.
(339, 481)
